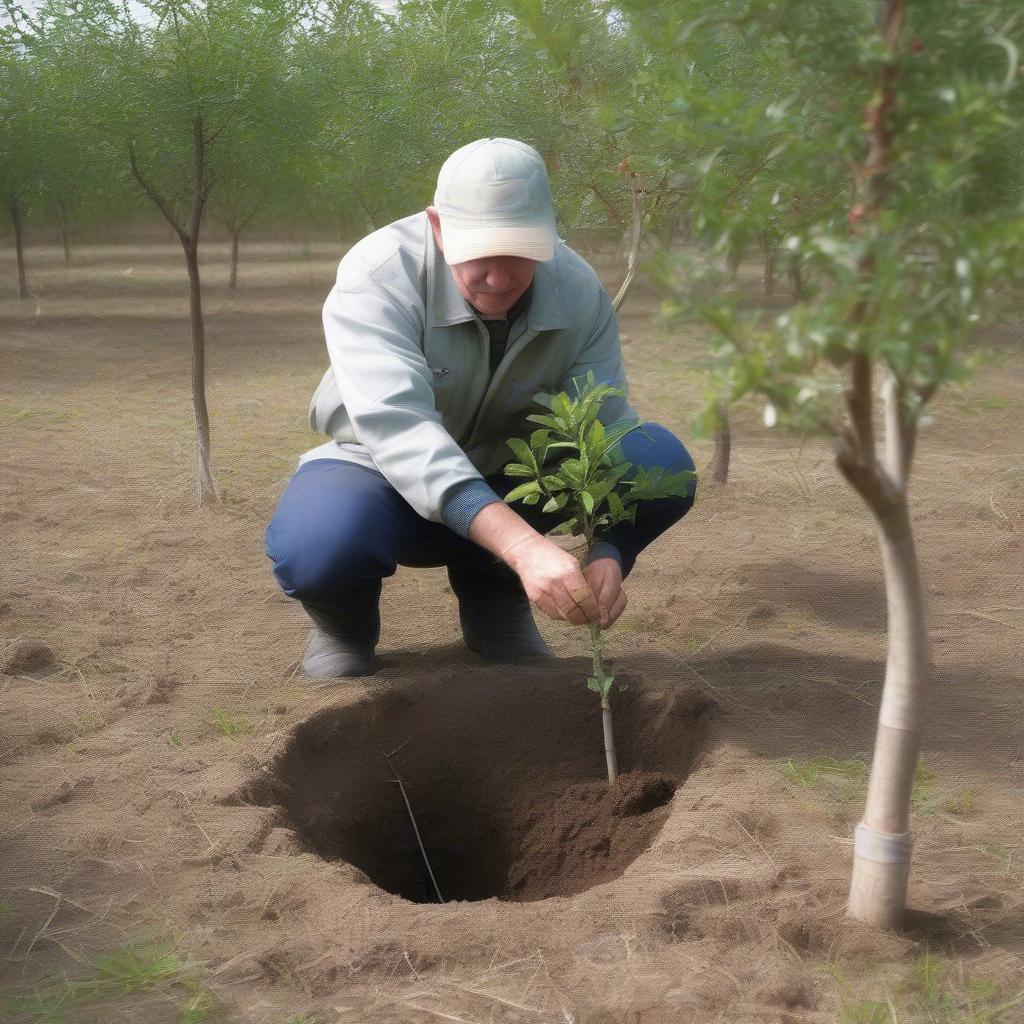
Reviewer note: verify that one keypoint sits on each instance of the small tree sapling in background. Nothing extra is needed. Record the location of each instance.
(575, 462)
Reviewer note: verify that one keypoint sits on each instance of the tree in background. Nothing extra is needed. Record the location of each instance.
(73, 177)
(174, 91)
(21, 135)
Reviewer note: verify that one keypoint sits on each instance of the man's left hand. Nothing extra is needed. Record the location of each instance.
(605, 578)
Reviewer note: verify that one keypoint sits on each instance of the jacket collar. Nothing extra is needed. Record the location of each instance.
(446, 306)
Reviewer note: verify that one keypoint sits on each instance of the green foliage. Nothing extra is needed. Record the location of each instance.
(947, 240)
(575, 462)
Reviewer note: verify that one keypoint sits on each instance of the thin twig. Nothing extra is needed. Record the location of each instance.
(758, 842)
(53, 914)
(497, 999)
(987, 618)
(415, 828)
(435, 1013)
(195, 820)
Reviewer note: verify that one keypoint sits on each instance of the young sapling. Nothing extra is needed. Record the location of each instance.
(576, 464)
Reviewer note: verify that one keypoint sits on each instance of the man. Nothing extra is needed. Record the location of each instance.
(441, 327)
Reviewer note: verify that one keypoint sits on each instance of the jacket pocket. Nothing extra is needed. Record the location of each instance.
(444, 385)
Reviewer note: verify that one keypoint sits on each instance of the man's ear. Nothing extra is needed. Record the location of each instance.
(435, 222)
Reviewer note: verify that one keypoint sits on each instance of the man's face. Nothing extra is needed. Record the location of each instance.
(492, 284)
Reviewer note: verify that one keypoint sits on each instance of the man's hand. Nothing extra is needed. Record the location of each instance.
(605, 578)
(553, 580)
(551, 577)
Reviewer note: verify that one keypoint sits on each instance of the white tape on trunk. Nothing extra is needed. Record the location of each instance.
(899, 713)
(881, 847)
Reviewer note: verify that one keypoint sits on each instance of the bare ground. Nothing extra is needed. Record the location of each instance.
(190, 834)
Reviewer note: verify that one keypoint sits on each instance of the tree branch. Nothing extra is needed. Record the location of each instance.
(857, 396)
(151, 191)
(608, 206)
(636, 233)
(856, 456)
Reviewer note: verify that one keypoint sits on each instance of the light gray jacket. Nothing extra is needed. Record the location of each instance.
(408, 390)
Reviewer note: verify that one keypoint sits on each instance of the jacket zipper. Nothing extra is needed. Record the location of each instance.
(502, 368)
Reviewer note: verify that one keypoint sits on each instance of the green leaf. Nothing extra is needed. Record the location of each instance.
(564, 528)
(539, 439)
(572, 470)
(518, 469)
(557, 503)
(522, 450)
(588, 502)
(547, 421)
(614, 434)
(560, 407)
(593, 684)
(524, 491)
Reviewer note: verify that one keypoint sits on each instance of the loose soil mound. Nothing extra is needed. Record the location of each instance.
(506, 785)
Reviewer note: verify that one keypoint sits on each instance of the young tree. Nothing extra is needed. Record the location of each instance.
(174, 90)
(575, 462)
(927, 243)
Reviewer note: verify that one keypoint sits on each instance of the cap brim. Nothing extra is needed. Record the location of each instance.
(533, 242)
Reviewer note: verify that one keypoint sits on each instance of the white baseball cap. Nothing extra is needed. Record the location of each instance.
(493, 199)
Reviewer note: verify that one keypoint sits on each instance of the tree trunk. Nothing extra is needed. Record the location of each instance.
(233, 278)
(796, 281)
(611, 761)
(768, 278)
(718, 468)
(188, 235)
(65, 231)
(205, 483)
(881, 859)
(19, 248)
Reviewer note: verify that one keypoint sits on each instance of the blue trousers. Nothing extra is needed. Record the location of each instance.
(340, 528)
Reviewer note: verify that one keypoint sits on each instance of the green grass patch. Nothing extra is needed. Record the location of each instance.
(230, 725)
(123, 972)
(843, 784)
(928, 991)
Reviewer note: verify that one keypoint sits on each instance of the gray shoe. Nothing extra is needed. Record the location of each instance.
(496, 618)
(328, 657)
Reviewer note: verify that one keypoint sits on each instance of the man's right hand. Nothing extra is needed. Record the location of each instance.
(553, 580)
(551, 577)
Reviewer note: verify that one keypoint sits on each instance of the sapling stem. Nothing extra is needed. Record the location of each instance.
(597, 645)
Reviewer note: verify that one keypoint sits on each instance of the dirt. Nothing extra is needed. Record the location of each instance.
(168, 779)
(503, 784)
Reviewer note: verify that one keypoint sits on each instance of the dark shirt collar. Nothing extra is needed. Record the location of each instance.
(520, 307)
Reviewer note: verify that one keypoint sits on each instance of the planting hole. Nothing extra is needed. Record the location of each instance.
(504, 773)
